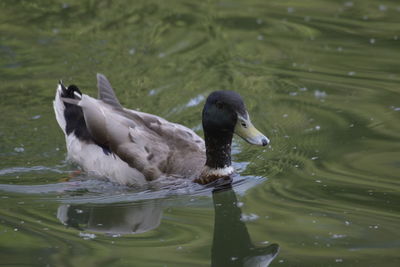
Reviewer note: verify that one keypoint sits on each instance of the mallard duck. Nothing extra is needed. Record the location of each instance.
(132, 148)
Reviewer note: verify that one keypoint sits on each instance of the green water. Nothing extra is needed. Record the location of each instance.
(320, 78)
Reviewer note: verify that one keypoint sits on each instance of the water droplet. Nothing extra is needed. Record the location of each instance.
(19, 149)
(87, 236)
(337, 236)
(372, 41)
(382, 7)
(320, 94)
(132, 51)
(249, 217)
(349, 4)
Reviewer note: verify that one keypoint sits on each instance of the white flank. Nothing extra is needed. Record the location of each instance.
(95, 162)
(59, 108)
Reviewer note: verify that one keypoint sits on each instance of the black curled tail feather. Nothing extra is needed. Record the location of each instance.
(71, 92)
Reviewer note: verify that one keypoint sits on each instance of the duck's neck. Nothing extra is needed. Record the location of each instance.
(218, 149)
(218, 154)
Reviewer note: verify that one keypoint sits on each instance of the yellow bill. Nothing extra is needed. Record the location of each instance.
(245, 129)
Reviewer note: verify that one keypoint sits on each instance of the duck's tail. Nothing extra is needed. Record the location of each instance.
(68, 114)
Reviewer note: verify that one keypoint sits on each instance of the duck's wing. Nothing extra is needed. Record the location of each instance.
(126, 137)
(158, 125)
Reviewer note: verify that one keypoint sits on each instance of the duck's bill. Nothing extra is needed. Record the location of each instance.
(245, 129)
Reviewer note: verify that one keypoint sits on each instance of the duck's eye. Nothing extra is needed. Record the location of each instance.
(243, 124)
(219, 105)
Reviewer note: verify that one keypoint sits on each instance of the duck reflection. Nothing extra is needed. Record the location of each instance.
(232, 245)
(134, 218)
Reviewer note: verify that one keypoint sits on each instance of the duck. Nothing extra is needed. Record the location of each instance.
(131, 147)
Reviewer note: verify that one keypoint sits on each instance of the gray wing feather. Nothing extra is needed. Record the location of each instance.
(106, 92)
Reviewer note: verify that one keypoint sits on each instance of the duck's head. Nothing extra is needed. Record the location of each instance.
(225, 111)
(224, 114)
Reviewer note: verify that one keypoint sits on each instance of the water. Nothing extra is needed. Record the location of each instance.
(320, 78)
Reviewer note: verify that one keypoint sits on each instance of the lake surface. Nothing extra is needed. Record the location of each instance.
(320, 78)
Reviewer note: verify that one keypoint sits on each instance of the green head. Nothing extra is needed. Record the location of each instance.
(225, 112)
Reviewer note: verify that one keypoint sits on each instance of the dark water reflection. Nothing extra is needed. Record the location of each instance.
(231, 243)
